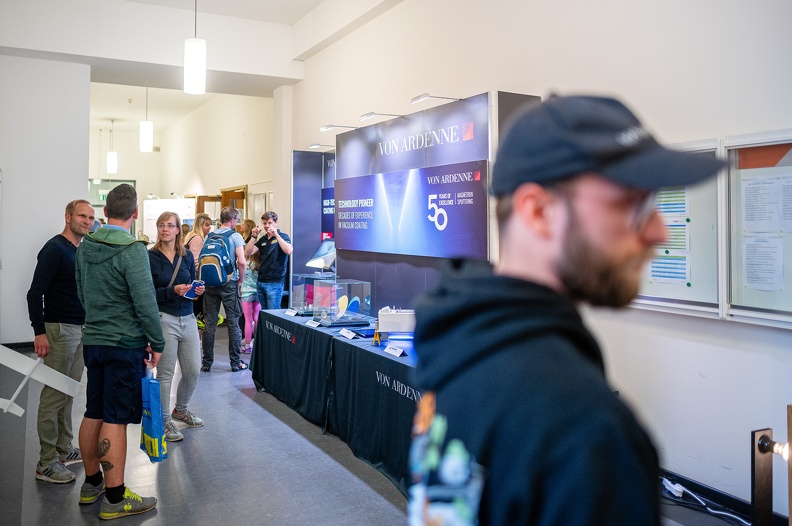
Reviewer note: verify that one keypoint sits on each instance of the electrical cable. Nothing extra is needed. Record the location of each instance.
(678, 491)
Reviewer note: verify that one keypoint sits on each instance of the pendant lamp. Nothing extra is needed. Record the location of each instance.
(146, 132)
(195, 62)
(112, 155)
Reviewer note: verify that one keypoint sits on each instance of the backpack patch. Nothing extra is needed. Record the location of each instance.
(214, 261)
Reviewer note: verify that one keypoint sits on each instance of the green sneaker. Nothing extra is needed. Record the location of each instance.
(132, 504)
(90, 494)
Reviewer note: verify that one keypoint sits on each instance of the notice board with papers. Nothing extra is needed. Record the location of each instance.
(760, 235)
(683, 275)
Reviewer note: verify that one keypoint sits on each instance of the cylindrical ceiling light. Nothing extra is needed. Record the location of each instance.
(146, 132)
(195, 62)
(112, 155)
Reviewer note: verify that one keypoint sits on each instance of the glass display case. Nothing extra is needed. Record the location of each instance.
(302, 291)
(342, 302)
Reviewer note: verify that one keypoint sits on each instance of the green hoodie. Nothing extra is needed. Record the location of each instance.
(114, 285)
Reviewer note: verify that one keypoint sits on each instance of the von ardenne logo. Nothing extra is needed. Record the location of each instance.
(461, 177)
(397, 386)
(280, 331)
(429, 139)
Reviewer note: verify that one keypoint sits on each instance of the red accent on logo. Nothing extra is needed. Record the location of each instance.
(294, 339)
(477, 175)
(467, 131)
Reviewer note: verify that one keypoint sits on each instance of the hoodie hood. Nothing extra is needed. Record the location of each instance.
(474, 314)
(106, 243)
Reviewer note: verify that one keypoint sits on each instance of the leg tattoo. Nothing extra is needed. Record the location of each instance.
(104, 448)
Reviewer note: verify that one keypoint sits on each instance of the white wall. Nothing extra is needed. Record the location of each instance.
(44, 110)
(692, 70)
(226, 142)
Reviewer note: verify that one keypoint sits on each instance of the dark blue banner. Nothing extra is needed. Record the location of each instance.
(328, 212)
(451, 133)
(439, 211)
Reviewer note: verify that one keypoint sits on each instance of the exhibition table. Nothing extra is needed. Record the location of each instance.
(372, 404)
(292, 362)
(358, 391)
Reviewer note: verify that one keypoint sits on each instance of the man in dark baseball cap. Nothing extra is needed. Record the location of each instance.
(517, 423)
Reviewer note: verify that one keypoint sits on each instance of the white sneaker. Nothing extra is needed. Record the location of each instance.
(71, 457)
(172, 433)
(55, 473)
(188, 417)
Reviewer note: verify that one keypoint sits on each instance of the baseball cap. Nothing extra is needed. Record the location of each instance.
(566, 136)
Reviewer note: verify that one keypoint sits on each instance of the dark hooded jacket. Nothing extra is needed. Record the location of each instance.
(517, 424)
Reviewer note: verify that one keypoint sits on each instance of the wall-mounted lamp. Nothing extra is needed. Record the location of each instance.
(423, 96)
(762, 443)
(112, 155)
(367, 116)
(146, 132)
(328, 127)
(177, 196)
(768, 445)
(152, 196)
(317, 145)
(195, 62)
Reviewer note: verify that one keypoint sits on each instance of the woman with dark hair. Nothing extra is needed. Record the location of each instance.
(173, 271)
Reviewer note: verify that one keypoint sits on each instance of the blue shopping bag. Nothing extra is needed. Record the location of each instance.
(152, 432)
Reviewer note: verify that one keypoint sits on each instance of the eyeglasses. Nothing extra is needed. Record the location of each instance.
(638, 209)
(644, 212)
(167, 225)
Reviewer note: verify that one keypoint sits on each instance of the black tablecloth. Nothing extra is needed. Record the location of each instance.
(360, 393)
(292, 362)
(372, 403)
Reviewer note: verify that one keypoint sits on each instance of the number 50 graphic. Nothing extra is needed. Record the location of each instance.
(435, 218)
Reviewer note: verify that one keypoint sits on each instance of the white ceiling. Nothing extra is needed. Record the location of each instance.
(127, 104)
(275, 11)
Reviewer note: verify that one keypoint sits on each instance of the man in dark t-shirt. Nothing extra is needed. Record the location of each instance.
(274, 249)
(57, 317)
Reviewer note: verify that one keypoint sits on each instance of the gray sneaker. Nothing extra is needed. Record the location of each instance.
(188, 417)
(131, 504)
(172, 433)
(71, 457)
(90, 494)
(55, 473)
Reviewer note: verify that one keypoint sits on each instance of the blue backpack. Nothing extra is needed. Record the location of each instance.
(214, 262)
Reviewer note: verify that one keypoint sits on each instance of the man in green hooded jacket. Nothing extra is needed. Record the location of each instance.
(122, 335)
